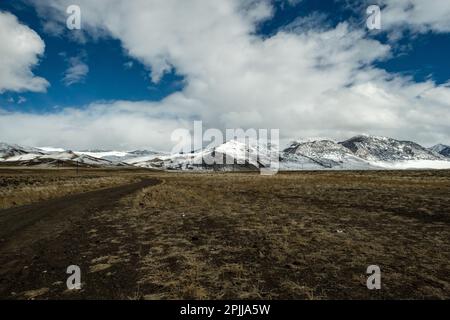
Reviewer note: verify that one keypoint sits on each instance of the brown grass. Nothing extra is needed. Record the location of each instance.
(307, 235)
(34, 186)
(303, 235)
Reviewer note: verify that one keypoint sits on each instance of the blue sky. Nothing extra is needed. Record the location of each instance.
(422, 57)
(120, 68)
(108, 79)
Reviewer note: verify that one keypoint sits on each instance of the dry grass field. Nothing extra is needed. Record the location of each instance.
(306, 235)
(301, 235)
(34, 185)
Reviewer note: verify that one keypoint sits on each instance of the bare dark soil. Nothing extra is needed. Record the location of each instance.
(39, 241)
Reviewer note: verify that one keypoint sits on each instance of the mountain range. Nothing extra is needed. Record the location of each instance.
(363, 152)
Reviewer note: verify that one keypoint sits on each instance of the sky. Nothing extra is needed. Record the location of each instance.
(138, 70)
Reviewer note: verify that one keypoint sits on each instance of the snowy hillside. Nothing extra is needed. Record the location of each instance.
(232, 155)
(442, 149)
(361, 152)
(11, 150)
(374, 148)
(128, 157)
(321, 154)
(28, 156)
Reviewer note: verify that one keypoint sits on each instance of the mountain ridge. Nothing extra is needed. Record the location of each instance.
(361, 152)
(442, 149)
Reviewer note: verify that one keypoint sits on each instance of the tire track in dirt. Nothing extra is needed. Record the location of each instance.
(39, 241)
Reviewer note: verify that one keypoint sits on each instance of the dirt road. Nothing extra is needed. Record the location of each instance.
(39, 241)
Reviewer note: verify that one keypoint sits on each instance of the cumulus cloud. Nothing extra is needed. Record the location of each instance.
(416, 15)
(306, 82)
(76, 72)
(123, 125)
(20, 50)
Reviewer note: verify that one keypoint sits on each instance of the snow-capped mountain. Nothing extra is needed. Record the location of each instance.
(11, 150)
(232, 155)
(119, 156)
(442, 149)
(321, 154)
(374, 148)
(12, 154)
(29, 156)
(358, 153)
(361, 152)
(74, 158)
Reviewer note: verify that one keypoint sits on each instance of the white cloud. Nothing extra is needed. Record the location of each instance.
(128, 65)
(19, 52)
(21, 100)
(123, 125)
(53, 28)
(416, 15)
(310, 82)
(76, 72)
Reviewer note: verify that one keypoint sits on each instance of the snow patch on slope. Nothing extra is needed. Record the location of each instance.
(414, 164)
